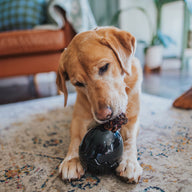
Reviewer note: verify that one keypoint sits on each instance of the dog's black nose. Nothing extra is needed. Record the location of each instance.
(104, 113)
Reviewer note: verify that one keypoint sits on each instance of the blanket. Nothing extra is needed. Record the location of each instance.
(78, 13)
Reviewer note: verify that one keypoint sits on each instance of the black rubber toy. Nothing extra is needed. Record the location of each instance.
(101, 149)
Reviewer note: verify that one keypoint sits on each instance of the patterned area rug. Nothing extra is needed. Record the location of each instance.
(34, 138)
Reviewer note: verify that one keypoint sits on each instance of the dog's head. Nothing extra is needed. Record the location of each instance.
(96, 62)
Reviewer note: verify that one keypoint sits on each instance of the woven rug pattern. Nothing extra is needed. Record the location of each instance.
(34, 139)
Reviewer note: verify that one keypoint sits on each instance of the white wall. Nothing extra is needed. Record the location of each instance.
(136, 22)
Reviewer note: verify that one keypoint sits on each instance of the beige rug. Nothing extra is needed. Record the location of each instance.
(34, 138)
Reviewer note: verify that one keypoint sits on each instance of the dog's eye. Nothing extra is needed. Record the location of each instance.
(103, 69)
(79, 84)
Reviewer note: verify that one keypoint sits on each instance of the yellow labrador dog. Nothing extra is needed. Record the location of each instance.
(101, 65)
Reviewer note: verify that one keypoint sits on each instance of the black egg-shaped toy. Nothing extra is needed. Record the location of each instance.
(101, 150)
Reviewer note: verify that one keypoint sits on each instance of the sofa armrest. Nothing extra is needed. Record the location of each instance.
(67, 28)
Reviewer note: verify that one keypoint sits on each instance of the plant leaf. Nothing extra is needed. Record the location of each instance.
(115, 18)
(165, 39)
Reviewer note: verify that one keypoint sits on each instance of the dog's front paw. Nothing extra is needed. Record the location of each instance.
(129, 171)
(71, 169)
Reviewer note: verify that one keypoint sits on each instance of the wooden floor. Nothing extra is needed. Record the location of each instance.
(168, 83)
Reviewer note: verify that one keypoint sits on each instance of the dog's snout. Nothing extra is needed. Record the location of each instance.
(104, 113)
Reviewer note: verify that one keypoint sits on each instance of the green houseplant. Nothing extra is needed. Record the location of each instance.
(154, 49)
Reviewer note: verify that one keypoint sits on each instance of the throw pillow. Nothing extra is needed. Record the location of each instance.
(21, 14)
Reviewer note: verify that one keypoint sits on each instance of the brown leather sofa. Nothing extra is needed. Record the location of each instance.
(29, 52)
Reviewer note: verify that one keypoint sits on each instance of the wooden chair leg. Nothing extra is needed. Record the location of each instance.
(59, 92)
(36, 85)
(184, 101)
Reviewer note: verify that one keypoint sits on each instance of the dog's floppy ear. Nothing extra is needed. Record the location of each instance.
(62, 77)
(122, 43)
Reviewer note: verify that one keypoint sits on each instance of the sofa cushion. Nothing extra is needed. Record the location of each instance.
(21, 14)
(31, 41)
